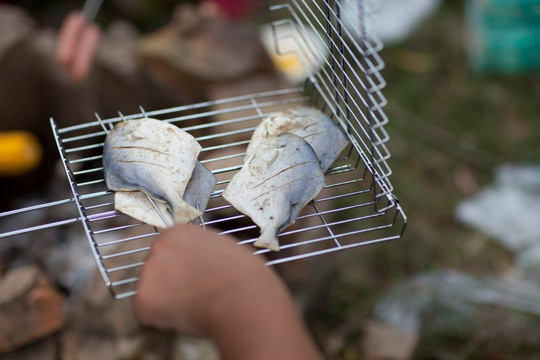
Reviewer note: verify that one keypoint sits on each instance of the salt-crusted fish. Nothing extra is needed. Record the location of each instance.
(310, 124)
(137, 205)
(277, 180)
(154, 157)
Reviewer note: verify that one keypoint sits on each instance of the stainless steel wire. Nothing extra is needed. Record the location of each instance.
(349, 83)
(356, 207)
(91, 8)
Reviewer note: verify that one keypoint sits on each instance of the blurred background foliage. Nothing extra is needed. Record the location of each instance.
(449, 129)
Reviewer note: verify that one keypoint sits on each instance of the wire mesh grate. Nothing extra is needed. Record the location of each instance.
(356, 207)
(336, 45)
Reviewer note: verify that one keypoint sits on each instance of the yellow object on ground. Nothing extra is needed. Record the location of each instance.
(20, 152)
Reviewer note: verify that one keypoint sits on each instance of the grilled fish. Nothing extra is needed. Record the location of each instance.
(137, 205)
(311, 125)
(154, 157)
(277, 180)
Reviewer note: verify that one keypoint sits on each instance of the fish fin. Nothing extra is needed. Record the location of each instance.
(184, 213)
(268, 239)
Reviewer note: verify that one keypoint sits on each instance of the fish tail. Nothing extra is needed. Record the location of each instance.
(268, 239)
(184, 213)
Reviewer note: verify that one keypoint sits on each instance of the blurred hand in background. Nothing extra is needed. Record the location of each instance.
(78, 38)
(77, 43)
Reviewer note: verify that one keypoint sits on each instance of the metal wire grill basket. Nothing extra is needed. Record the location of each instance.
(333, 42)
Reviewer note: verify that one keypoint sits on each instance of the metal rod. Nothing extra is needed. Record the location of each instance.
(90, 9)
(356, 207)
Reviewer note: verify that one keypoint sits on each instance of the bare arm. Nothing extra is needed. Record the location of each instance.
(204, 284)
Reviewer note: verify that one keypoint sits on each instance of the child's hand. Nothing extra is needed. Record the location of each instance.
(188, 270)
(198, 282)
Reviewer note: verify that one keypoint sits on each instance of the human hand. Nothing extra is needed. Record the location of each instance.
(200, 283)
(187, 270)
(77, 45)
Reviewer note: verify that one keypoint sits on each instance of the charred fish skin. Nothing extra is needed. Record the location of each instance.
(154, 157)
(277, 180)
(311, 124)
